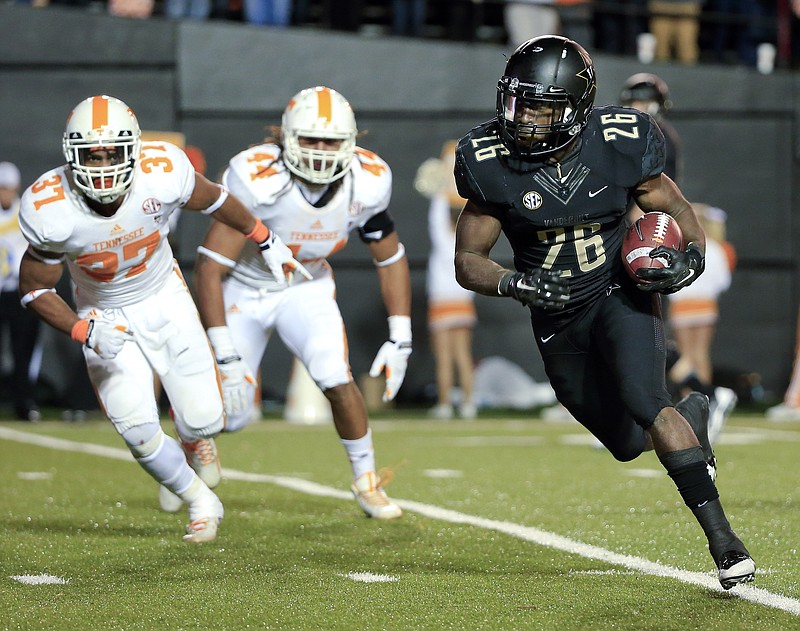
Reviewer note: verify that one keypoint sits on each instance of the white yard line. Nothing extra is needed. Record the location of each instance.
(526, 533)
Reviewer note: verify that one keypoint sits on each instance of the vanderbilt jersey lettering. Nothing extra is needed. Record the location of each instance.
(567, 217)
(313, 231)
(118, 260)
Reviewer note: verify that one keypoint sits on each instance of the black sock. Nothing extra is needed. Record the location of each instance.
(688, 470)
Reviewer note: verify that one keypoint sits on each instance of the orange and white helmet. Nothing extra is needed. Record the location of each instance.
(102, 122)
(318, 112)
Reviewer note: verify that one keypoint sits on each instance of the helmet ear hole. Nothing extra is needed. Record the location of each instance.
(102, 123)
(545, 72)
(322, 113)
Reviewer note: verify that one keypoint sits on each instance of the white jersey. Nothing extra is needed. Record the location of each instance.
(12, 247)
(258, 177)
(119, 260)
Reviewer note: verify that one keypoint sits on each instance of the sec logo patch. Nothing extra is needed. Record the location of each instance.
(532, 200)
(151, 206)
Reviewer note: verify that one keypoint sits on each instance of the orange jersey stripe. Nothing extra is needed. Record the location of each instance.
(324, 104)
(99, 112)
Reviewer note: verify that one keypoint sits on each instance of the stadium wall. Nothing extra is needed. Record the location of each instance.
(223, 84)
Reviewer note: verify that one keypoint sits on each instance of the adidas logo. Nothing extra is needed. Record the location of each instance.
(234, 308)
(317, 225)
(117, 229)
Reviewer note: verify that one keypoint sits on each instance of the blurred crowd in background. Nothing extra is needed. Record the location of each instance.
(758, 33)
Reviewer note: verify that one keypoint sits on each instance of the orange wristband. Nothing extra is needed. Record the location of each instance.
(259, 233)
(80, 331)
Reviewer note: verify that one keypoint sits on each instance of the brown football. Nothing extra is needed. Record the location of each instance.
(649, 231)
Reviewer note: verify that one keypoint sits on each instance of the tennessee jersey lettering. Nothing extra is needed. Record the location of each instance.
(313, 228)
(117, 260)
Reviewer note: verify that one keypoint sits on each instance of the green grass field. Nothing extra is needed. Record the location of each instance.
(509, 524)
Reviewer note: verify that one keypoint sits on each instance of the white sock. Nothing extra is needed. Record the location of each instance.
(361, 454)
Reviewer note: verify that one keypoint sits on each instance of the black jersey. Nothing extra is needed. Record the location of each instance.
(567, 217)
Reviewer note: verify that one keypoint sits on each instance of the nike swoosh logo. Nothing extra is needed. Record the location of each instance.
(545, 340)
(598, 191)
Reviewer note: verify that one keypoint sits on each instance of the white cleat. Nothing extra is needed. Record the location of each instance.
(373, 499)
(720, 409)
(203, 458)
(201, 530)
(169, 502)
(783, 412)
(205, 514)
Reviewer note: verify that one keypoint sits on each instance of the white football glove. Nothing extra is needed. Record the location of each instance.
(236, 378)
(107, 339)
(236, 384)
(393, 356)
(280, 260)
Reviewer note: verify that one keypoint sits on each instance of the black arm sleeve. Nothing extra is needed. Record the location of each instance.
(377, 227)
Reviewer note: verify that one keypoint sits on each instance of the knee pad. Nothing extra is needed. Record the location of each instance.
(144, 441)
(128, 409)
(202, 425)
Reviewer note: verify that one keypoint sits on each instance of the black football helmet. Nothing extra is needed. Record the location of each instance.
(645, 86)
(550, 72)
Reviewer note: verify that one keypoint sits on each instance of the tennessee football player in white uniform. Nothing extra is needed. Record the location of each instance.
(105, 214)
(314, 186)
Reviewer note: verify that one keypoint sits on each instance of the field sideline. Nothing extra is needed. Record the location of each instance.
(609, 534)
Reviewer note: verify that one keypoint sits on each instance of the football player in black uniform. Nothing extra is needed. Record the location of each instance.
(556, 175)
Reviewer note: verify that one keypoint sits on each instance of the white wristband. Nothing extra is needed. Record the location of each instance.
(220, 200)
(401, 252)
(221, 342)
(33, 295)
(399, 328)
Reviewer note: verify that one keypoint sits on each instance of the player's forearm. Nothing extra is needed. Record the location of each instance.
(54, 311)
(395, 282)
(478, 273)
(208, 290)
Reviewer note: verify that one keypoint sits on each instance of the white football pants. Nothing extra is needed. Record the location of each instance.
(308, 321)
(170, 340)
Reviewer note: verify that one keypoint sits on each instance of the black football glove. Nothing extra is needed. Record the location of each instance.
(540, 288)
(682, 270)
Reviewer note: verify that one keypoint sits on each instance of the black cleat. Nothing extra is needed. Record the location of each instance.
(694, 408)
(735, 567)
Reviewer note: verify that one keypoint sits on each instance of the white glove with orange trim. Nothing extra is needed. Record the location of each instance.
(280, 260)
(103, 338)
(232, 370)
(276, 254)
(393, 356)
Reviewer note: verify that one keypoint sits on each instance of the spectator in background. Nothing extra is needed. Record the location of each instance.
(268, 12)
(529, 18)
(617, 23)
(693, 316)
(737, 25)
(193, 9)
(451, 308)
(408, 17)
(21, 327)
(139, 9)
(676, 27)
(342, 15)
